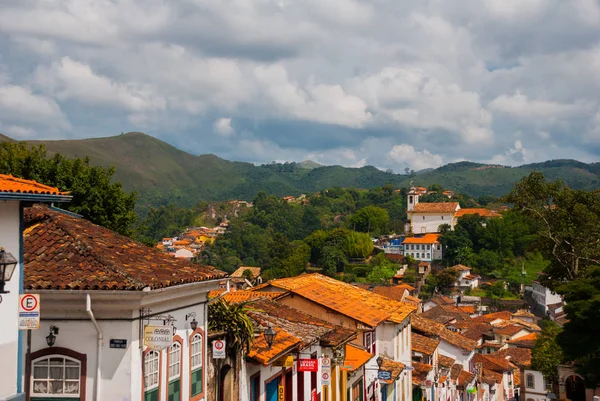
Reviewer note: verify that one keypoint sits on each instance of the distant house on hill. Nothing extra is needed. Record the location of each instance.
(246, 276)
(424, 248)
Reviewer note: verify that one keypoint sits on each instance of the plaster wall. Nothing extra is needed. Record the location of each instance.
(10, 239)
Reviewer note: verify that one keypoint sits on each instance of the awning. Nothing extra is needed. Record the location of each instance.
(355, 358)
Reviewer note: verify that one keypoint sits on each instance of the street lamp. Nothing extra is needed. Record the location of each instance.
(51, 337)
(270, 336)
(193, 323)
(379, 361)
(7, 268)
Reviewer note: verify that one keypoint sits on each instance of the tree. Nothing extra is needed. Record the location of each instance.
(370, 219)
(233, 320)
(570, 225)
(547, 354)
(579, 338)
(446, 278)
(382, 270)
(95, 196)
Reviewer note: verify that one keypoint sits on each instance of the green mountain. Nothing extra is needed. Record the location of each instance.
(161, 173)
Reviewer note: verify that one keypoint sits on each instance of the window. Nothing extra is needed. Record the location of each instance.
(255, 387)
(428, 247)
(530, 382)
(56, 375)
(357, 391)
(174, 361)
(548, 385)
(442, 217)
(428, 256)
(418, 255)
(423, 217)
(196, 359)
(151, 375)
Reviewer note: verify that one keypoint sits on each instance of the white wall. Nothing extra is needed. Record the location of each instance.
(460, 356)
(538, 392)
(430, 223)
(10, 236)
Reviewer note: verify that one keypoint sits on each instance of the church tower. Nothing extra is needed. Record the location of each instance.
(412, 198)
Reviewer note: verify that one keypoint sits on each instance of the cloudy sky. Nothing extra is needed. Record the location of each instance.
(391, 83)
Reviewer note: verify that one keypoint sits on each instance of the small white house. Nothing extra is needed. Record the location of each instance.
(120, 320)
(14, 192)
(544, 297)
(424, 248)
(465, 278)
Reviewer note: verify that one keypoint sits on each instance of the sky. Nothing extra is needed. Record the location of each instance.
(391, 83)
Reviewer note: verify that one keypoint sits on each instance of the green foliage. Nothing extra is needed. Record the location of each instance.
(95, 196)
(497, 290)
(232, 319)
(382, 270)
(446, 278)
(547, 354)
(358, 245)
(569, 225)
(579, 338)
(370, 219)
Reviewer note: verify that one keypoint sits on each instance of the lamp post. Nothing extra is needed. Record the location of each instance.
(7, 268)
(51, 337)
(193, 323)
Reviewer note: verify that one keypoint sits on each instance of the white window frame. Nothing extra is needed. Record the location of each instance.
(175, 361)
(151, 370)
(527, 377)
(197, 341)
(48, 380)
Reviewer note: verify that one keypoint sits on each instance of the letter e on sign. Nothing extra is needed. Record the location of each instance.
(29, 311)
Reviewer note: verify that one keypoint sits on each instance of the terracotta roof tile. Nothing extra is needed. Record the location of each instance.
(420, 372)
(460, 267)
(65, 252)
(498, 365)
(509, 330)
(445, 313)
(471, 277)
(442, 300)
(445, 361)
(255, 272)
(527, 341)
(9, 183)
(436, 207)
(426, 239)
(424, 345)
(359, 304)
(298, 323)
(283, 343)
(470, 309)
(395, 293)
(465, 377)
(244, 295)
(458, 340)
(395, 367)
(476, 330)
(426, 326)
(490, 317)
(518, 356)
(480, 211)
(355, 357)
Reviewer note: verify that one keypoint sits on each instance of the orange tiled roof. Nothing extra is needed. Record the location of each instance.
(460, 267)
(356, 357)
(63, 252)
(509, 330)
(445, 361)
(283, 343)
(359, 304)
(436, 207)
(9, 183)
(476, 330)
(445, 313)
(490, 317)
(395, 367)
(495, 364)
(527, 341)
(465, 377)
(471, 277)
(307, 328)
(470, 309)
(442, 300)
(480, 211)
(238, 296)
(420, 372)
(426, 326)
(424, 345)
(458, 340)
(255, 272)
(396, 292)
(426, 239)
(413, 300)
(518, 356)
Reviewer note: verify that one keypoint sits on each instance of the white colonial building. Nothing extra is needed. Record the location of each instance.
(543, 296)
(101, 294)
(14, 194)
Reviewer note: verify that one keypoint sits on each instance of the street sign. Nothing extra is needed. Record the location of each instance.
(219, 349)
(308, 365)
(118, 343)
(281, 392)
(325, 371)
(29, 311)
(158, 337)
(325, 378)
(384, 375)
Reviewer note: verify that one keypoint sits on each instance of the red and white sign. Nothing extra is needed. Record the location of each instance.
(29, 312)
(308, 365)
(313, 395)
(219, 349)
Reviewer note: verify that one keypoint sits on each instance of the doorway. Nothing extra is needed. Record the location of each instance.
(226, 384)
(575, 388)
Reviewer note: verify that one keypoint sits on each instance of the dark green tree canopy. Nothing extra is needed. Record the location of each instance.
(95, 196)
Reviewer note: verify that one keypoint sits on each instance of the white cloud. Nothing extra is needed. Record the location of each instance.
(223, 126)
(519, 105)
(19, 104)
(407, 156)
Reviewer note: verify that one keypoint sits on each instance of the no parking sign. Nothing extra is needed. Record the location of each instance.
(219, 349)
(29, 312)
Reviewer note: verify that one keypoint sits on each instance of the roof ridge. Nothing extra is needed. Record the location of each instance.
(79, 245)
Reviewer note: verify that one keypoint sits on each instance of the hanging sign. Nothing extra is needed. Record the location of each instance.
(158, 337)
(29, 312)
(384, 375)
(308, 365)
(281, 392)
(218, 349)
